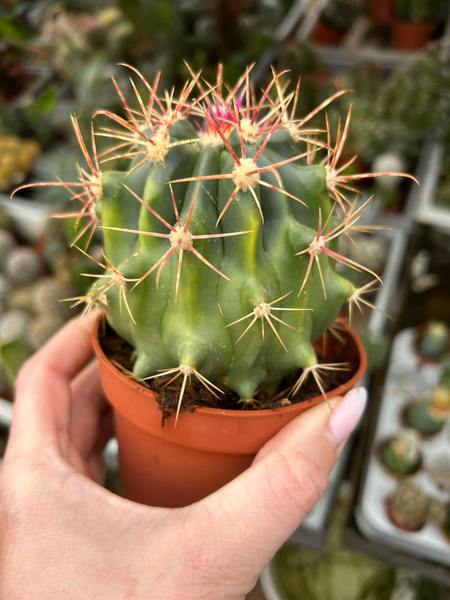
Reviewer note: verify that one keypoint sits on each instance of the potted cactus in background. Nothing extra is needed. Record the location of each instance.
(401, 453)
(407, 506)
(429, 414)
(433, 340)
(415, 22)
(219, 275)
(336, 20)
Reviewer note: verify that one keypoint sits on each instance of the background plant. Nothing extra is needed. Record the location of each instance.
(416, 11)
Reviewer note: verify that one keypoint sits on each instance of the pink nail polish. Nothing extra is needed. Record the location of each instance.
(346, 415)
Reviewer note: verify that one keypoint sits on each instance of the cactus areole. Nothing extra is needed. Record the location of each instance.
(221, 231)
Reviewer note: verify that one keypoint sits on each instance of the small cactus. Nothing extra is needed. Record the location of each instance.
(429, 416)
(41, 328)
(23, 265)
(47, 295)
(440, 402)
(13, 326)
(438, 511)
(401, 454)
(389, 161)
(408, 506)
(19, 298)
(221, 235)
(434, 341)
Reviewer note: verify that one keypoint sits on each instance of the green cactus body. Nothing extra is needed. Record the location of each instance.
(199, 325)
(408, 506)
(401, 454)
(221, 236)
(420, 417)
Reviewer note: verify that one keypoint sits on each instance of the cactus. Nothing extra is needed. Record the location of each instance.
(41, 328)
(13, 326)
(23, 265)
(46, 296)
(440, 402)
(416, 11)
(341, 14)
(401, 454)
(221, 234)
(408, 506)
(429, 416)
(434, 340)
(437, 511)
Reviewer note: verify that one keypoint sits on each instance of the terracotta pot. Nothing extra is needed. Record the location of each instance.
(410, 36)
(397, 520)
(382, 11)
(324, 34)
(176, 465)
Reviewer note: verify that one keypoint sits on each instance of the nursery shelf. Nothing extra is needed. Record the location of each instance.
(407, 378)
(426, 211)
(400, 229)
(362, 43)
(348, 58)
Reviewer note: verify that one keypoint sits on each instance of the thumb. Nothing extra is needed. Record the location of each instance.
(288, 476)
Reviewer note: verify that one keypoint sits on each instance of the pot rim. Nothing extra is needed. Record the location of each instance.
(243, 414)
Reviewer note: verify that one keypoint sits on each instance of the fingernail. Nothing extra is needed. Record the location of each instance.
(346, 415)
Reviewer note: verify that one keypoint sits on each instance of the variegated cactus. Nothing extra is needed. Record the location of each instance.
(221, 234)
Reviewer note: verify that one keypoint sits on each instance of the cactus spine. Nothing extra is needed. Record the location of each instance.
(221, 236)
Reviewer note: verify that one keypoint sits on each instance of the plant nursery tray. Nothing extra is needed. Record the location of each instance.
(427, 210)
(409, 379)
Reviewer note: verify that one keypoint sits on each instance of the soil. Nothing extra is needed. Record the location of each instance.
(120, 352)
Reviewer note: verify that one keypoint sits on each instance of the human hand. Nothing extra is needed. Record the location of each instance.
(64, 536)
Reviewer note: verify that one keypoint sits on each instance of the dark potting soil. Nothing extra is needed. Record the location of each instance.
(329, 350)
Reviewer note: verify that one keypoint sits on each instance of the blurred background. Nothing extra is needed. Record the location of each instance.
(382, 530)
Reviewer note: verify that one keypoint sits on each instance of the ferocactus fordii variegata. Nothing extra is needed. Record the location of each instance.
(221, 233)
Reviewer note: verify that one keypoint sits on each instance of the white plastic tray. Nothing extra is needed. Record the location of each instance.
(408, 378)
